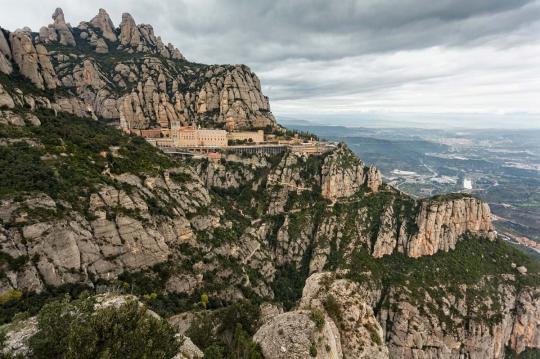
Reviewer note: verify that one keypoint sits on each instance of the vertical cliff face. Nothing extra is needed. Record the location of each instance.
(343, 175)
(413, 330)
(431, 225)
(128, 74)
(441, 222)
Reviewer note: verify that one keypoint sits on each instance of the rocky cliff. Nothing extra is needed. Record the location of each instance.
(129, 74)
(258, 226)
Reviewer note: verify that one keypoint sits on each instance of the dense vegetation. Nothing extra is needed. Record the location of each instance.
(74, 329)
(474, 271)
(66, 157)
(227, 332)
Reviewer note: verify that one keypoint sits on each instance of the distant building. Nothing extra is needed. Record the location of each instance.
(190, 136)
(250, 136)
(467, 183)
(311, 148)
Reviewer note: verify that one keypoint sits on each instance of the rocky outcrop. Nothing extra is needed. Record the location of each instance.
(344, 175)
(5, 55)
(333, 321)
(103, 22)
(441, 223)
(14, 119)
(78, 249)
(456, 325)
(453, 325)
(129, 33)
(295, 335)
(154, 86)
(18, 336)
(347, 305)
(65, 37)
(33, 61)
(141, 38)
(525, 333)
(5, 99)
(58, 31)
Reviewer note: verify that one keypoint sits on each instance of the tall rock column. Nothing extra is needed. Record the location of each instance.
(5, 55)
(103, 22)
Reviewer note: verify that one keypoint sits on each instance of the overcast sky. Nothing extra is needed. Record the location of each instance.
(338, 58)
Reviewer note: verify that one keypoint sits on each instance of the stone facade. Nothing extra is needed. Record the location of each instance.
(188, 136)
(250, 136)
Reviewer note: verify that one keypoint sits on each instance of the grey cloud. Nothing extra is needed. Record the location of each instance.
(323, 55)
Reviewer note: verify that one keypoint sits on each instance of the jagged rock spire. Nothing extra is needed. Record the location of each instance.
(129, 33)
(65, 37)
(5, 55)
(58, 16)
(103, 22)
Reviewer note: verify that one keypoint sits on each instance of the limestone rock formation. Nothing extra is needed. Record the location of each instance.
(103, 22)
(345, 303)
(5, 99)
(343, 175)
(65, 36)
(72, 249)
(129, 33)
(5, 55)
(440, 224)
(154, 85)
(239, 228)
(412, 331)
(33, 61)
(295, 335)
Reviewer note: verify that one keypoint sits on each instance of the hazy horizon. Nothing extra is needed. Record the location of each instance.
(417, 120)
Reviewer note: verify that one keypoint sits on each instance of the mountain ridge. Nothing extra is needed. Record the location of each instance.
(127, 74)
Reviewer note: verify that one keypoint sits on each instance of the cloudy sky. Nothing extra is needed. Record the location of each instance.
(347, 59)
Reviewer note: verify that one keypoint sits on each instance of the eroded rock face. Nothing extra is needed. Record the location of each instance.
(441, 223)
(347, 305)
(65, 37)
(154, 86)
(78, 249)
(103, 22)
(18, 336)
(129, 33)
(295, 335)
(525, 333)
(5, 99)
(5, 55)
(413, 331)
(33, 61)
(344, 175)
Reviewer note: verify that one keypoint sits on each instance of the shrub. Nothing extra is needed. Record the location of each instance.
(313, 350)
(9, 296)
(318, 318)
(332, 308)
(74, 330)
